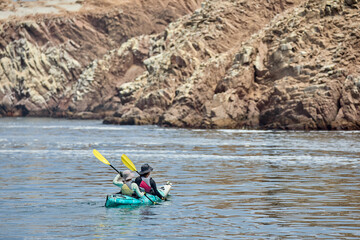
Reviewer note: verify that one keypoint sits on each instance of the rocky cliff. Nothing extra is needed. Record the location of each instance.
(275, 64)
(46, 59)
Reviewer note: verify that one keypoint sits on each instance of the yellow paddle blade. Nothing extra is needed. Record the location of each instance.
(100, 157)
(128, 163)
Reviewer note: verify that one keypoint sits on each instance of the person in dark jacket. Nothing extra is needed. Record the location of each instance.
(146, 182)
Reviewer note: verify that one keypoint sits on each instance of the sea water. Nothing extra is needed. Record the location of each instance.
(227, 184)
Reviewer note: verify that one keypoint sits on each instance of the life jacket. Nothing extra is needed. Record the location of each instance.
(126, 190)
(144, 185)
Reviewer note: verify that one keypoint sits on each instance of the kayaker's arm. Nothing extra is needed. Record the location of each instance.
(153, 186)
(117, 181)
(135, 188)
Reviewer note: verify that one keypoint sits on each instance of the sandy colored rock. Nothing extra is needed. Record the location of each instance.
(66, 64)
(289, 74)
(226, 64)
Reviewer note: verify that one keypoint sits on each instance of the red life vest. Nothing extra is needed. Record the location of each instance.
(144, 185)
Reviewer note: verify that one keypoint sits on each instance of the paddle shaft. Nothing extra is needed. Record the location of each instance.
(116, 170)
(149, 198)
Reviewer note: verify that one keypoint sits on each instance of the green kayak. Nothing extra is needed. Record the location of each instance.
(116, 200)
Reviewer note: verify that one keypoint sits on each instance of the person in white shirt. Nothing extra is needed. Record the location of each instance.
(128, 187)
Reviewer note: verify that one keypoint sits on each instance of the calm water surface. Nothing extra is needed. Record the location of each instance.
(228, 184)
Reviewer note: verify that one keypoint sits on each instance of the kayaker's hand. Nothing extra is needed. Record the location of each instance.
(164, 199)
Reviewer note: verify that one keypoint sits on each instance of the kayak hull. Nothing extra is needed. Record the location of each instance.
(116, 200)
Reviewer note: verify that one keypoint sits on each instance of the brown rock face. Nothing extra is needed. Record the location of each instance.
(229, 64)
(54, 65)
(187, 62)
(226, 67)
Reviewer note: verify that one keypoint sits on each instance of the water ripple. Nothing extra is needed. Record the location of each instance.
(228, 184)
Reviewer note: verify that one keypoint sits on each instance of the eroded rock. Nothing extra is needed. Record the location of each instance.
(229, 64)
